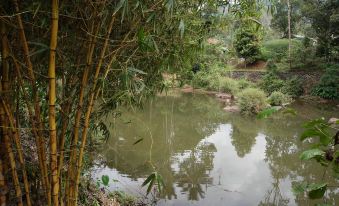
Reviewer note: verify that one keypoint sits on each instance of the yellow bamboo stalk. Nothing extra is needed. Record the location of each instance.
(70, 178)
(10, 155)
(19, 151)
(89, 110)
(52, 98)
(31, 116)
(5, 80)
(41, 143)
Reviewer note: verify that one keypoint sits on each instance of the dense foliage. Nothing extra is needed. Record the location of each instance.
(328, 87)
(252, 101)
(247, 45)
(58, 59)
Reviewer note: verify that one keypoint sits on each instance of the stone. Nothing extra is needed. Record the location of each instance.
(223, 96)
(333, 120)
(233, 108)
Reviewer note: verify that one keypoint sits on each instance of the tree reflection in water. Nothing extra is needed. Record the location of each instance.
(194, 171)
(180, 127)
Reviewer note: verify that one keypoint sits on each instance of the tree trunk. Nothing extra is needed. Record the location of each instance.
(289, 32)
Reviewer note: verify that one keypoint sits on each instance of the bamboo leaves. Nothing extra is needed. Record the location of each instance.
(124, 6)
(154, 178)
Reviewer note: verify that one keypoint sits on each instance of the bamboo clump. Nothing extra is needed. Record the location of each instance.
(56, 62)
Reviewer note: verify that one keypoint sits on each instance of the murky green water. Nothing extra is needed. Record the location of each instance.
(210, 157)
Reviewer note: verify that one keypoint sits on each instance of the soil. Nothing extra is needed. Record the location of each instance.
(257, 66)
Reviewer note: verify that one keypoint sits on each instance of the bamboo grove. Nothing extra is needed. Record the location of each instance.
(65, 64)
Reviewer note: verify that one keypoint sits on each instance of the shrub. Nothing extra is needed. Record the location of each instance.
(252, 100)
(199, 80)
(243, 84)
(328, 87)
(247, 45)
(271, 82)
(293, 87)
(278, 98)
(229, 85)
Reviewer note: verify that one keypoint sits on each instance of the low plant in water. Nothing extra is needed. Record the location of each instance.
(252, 101)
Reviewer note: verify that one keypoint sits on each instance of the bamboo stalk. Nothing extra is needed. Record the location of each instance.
(52, 98)
(70, 179)
(10, 155)
(89, 109)
(5, 81)
(41, 143)
(31, 117)
(19, 151)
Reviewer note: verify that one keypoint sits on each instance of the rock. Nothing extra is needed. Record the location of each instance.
(233, 108)
(333, 120)
(223, 96)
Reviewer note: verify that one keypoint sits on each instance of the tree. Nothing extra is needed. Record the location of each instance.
(247, 45)
(323, 16)
(279, 20)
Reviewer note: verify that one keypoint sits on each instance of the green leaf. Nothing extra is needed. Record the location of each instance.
(324, 137)
(160, 182)
(150, 185)
(312, 153)
(105, 179)
(149, 178)
(139, 140)
(266, 112)
(316, 191)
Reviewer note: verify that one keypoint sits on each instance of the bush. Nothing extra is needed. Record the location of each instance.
(278, 99)
(328, 87)
(243, 84)
(271, 82)
(229, 85)
(199, 80)
(247, 45)
(252, 100)
(293, 87)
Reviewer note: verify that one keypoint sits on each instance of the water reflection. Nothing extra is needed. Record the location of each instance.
(207, 156)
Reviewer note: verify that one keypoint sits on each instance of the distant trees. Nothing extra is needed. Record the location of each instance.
(247, 41)
(279, 20)
(324, 19)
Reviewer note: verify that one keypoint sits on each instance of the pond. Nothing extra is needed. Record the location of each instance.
(209, 157)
